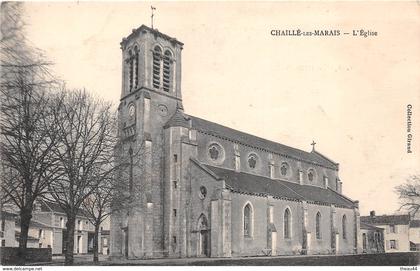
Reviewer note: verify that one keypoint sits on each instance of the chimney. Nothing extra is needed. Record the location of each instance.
(372, 213)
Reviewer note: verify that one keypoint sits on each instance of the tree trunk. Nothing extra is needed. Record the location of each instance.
(96, 243)
(25, 220)
(70, 239)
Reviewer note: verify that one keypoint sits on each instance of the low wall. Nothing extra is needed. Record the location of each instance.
(10, 255)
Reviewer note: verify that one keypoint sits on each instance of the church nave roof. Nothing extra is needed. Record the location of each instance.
(242, 182)
(183, 120)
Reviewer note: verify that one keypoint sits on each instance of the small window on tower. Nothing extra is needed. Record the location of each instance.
(174, 212)
(175, 184)
(175, 158)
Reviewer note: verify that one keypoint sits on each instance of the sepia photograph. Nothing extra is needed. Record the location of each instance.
(210, 133)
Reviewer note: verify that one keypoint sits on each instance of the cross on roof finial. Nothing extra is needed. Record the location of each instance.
(313, 145)
(153, 8)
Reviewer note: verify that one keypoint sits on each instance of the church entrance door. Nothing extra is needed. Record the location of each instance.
(203, 237)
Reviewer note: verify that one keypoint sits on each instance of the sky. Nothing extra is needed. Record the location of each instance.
(348, 93)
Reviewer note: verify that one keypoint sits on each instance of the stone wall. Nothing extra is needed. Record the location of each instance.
(9, 255)
(257, 243)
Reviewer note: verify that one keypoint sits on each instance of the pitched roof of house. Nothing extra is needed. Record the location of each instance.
(386, 219)
(183, 120)
(415, 224)
(242, 182)
(366, 226)
(50, 206)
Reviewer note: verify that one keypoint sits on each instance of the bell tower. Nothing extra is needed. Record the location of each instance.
(151, 60)
(150, 95)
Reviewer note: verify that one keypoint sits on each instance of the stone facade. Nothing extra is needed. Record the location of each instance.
(396, 230)
(200, 189)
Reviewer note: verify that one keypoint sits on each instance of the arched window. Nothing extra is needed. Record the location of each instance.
(311, 175)
(133, 68)
(364, 240)
(248, 220)
(157, 56)
(167, 68)
(287, 223)
(130, 64)
(136, 66)
(318, 225)
(344, 222)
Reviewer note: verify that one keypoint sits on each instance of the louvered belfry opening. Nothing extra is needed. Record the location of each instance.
(136, 67)
(130, 63)
(157, 55)
(133, 65)
(167, 58)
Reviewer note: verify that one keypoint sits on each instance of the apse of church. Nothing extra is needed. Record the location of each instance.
(207, 190)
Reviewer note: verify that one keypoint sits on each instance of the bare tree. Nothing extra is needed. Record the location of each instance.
(25, 120)
(409, 194)
(97, 208)
(85, 127)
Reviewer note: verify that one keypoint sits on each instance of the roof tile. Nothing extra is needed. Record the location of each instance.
(181, 119)
(242, 182)
(386, 219)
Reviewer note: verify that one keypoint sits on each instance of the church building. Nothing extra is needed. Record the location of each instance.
(200, 189)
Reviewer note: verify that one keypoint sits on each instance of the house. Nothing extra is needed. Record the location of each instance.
(7, 231)
(396, 230)
(51, 214)
(40, 235)
(372, 238)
